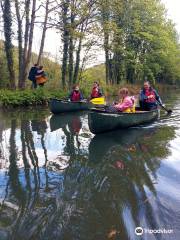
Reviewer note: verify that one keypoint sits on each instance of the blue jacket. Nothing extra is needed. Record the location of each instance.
(32, 73)
(143, 97)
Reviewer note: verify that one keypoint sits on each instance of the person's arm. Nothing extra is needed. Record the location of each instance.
(142, 96)
(81, 96)
(158, 97)
(100, 92)
(44, 74)
(127, 103)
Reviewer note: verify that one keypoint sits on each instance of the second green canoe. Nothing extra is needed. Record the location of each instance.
(60, 106)
(100, 121)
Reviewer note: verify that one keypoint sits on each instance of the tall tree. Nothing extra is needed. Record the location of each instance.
(7, 18)
(65, 40)
(47, 10)
(20, 38)
(25, 48)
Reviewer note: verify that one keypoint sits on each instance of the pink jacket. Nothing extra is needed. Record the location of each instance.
(127, 102)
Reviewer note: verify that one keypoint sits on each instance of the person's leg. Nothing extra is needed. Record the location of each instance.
(34, 84)
(152, 106)
(111, 109)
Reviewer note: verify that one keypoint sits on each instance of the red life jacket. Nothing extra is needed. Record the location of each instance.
(95, 92)
(149, 92)
(76, 96)
(76, 125)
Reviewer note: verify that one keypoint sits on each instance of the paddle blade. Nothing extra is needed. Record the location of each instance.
(97, 101)
(169, 111)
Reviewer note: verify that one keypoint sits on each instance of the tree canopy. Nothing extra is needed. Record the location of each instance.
(138, 40)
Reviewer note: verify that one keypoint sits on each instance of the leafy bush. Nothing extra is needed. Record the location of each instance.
(28, 97)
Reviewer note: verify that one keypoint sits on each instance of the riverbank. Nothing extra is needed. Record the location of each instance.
(41, 96)
(28, 97)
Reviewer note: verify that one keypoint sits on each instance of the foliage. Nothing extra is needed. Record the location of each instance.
(144, 44)
(138, 41)
(28, 97)
(4, 77)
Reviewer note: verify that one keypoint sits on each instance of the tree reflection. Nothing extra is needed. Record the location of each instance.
(113, 189)
(27, 205)
(70, 124)
(100, 193)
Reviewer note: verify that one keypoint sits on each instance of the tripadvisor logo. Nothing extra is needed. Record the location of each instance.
(139, 231)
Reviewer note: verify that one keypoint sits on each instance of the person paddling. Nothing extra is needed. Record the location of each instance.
(96, 91)
(76, 95)
(149, 98)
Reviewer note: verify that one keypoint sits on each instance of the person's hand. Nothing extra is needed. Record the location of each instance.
(151, 96)
(115, 103)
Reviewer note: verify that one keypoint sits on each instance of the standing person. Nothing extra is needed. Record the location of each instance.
(149, 98)
(32, 75)
(75, 95)
(96, 91)
(41, 76)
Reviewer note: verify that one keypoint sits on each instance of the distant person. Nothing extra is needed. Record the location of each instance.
(41, 77)
(149, 98)
(76, 94)
(32, 75)
(96, 91)
(126, 103)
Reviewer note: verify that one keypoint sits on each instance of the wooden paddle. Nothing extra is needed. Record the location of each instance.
(169, 111)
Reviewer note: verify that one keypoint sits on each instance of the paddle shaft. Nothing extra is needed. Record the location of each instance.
(167, 110)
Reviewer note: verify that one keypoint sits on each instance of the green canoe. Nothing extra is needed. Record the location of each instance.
(60, 106)
(58, 121)
(101, 121)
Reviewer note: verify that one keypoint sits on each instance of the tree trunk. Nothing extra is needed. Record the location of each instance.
(65, 42)
(8, 42)
(27, 26)
(71, 60)
(71, 49)
(29, 51)
(78, 52)
(105, 12)
(22, 50)
(20, 40)
(106, 44)
(43, 33)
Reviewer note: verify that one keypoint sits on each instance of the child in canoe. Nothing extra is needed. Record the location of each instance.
(76, 95)
(125, 104)
(96, 91)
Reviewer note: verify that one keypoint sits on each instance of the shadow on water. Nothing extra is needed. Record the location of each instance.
(60, 182)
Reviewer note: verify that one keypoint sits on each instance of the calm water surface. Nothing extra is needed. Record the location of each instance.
(59, 181)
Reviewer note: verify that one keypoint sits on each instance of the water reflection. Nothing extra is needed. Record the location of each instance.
(58, 181)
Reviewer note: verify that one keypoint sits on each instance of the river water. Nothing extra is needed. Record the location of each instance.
(59, 181)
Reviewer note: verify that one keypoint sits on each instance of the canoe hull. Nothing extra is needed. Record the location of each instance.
(58, 106)
(103, 122)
